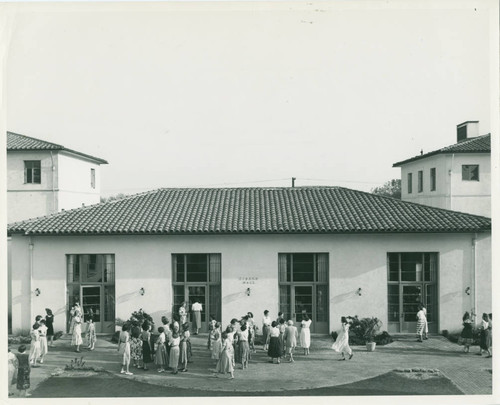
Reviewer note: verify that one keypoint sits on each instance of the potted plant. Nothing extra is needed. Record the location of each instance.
(370, 327)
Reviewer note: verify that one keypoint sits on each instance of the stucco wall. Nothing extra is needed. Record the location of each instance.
(356, 261)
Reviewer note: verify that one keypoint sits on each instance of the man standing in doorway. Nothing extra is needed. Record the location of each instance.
(196, 308)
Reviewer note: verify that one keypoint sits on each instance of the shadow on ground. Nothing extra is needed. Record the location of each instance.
(109, 385)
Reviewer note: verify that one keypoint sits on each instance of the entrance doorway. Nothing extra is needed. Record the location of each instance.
(298, 297)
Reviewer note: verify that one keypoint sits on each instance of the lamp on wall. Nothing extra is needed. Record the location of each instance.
(37, 292)
(248, 291)
(358, 291)
(142, 291)
(467, 290)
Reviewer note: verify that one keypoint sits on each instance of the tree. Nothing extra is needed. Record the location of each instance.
(113, 197)
(391, 188)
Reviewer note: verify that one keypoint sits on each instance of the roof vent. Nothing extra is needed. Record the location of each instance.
(467, 130)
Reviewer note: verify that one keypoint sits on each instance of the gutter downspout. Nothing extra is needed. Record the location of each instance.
(53, 168)
(32, 294)
(451, 178)
(474, 295)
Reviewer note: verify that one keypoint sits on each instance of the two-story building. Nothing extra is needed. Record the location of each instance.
(44, 178)
(456, 177)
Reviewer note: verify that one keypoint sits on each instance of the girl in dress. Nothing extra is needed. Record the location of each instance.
(266, 326)
(305, 334)
(161, 359)
(252, 329)
(49, 321)
(173, 360)
(124, 349)
(217, 343)
(282, 327)
(76, 338)
(225, 363)
(426, 326)
(243, 345)
(91, 335)
(183, 313)
(183, 348)
(482, 337)
(136, 347)
(290, 338)
(211, 328)
(146, 344)
(273, 342)
(466, 338)
(421, 321)
(13, 363)
(341, 345)
(35, 345)
(23, 371)
(42, 330)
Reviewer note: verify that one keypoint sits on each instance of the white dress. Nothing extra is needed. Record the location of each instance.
(341, 345)
(305, 334)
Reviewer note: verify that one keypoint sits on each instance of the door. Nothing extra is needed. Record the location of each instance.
(411, 296)
(198, 293)
(303, 303)
(91, 305)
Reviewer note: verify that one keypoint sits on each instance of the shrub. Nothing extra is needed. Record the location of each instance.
(137, 318)
(365, 330)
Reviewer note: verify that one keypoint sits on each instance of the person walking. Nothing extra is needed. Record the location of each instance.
(421, 321)
(466, 337)
(341, 344)
(305, 333)
(196, 309)
(273, 342)
(225, 363)
(44, 349)
(290, 338)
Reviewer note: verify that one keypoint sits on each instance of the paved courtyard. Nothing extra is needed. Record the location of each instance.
(471, 373)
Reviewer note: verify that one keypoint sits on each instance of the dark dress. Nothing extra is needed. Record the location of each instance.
(49, 322)
(23, 371)
(466, 337)
(146, 347)
(275, 349)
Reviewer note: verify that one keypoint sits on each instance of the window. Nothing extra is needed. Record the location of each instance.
(193, 268)
(92, 178)
(32, 172)
(433, 179)
(470, 172)
(420, 181)
(412, 267)
(410, 182)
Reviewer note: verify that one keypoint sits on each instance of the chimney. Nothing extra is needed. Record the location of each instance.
(467, 130)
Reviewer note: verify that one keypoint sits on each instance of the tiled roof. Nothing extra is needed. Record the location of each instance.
(479, 144)
(18, 142)
(252, 210)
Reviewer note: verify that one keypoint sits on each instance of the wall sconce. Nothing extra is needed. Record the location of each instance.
(248, 291)
(467, 290)
(142, 291)
(37, 292)
(358, 291)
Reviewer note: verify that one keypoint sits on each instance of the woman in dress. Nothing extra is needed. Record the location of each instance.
(76, 338)
(252, 329)
(23, 371)
(183, 348)
(489, 331)
(146, 344)
(225, 363)
(290, 338)
(243, 345)
(183, 313)
(49, 321)
(421, 321)
(124, 349)
(136, 347)
(305, 334)
(466, 337)
(173, 360)
(35, 344)
(44, 349)
(282, 327)
(273, 343)
(13, 364)
(216, 343)
(161, 358)
(266, 326)
(211, 328)
(341, 345)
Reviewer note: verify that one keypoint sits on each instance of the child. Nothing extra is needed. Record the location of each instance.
(342, 343)
(146, 344)
(35, 344)
(160, 351)
(42, 330)
(290, 338)
(183, 348)
(124, 349)
(136, 347)
(225, 363)
(23, 371)
(216, 344)
(49, 321)
(466, 338)
(91, 335)
(173, 360)
(13, 363)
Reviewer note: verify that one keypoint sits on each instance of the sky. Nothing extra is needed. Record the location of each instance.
(200, 94)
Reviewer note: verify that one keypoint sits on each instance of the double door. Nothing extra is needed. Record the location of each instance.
(98, 302)
(310, 300)
(191, 294)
